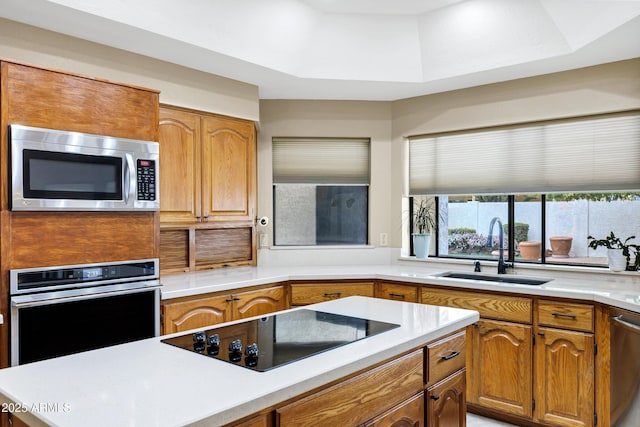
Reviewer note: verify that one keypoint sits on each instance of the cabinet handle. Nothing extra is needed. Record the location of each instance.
(397, 296)
(198, 218)
(332, 294)
(236, 299)
(206, 218)
(435, 397)
(450, 355)
(229, 300)
(568, 316)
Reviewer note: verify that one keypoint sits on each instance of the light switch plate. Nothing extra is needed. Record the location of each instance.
(384, 239)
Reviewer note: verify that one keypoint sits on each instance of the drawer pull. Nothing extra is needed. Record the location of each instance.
(397, 296)
(435, 397)
(332, 294)
(451, 355)
(568, 316)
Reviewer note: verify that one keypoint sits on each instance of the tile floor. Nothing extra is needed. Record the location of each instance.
(478, 421)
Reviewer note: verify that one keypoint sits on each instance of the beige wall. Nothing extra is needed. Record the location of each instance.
(330, 119)
(178, 85)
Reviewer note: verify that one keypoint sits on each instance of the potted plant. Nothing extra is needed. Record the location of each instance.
(618, 251)
(424, 222)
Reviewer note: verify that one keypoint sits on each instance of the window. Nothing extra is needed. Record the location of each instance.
(551, 184)
(320, 191)
(551, 228)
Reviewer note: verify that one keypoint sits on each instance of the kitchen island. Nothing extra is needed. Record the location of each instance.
(154, 384)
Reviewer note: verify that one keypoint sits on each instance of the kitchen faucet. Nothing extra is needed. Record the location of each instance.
(502, 266)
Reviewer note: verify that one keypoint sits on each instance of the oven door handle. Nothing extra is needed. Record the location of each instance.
(71, 295)
(626, 324)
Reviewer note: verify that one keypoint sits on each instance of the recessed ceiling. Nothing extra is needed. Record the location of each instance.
(353, 49)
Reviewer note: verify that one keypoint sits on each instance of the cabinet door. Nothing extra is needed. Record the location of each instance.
(446, 404)
(179, 166)
(196, 313)
(228, 169)
(564, 364)
(311, 293)
(262, 301)
(501, 374)
(395, 291)
(409, 413)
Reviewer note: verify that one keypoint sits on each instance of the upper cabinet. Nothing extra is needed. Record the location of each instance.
(207, 167)
(207, 191)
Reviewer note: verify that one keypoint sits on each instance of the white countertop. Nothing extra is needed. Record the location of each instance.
(149, 383)
(618, 290)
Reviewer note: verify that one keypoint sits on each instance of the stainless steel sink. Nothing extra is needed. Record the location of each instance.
(492, 278)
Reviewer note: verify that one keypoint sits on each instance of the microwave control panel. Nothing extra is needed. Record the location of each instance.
(146, 179)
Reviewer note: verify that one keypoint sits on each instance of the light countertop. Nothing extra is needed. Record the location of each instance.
(621, 291)
(154, 384)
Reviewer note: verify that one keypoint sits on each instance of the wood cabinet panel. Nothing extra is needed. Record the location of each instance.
(180, 180)
(79, 238)
(407, 414)
(228, 166)
(499, 307)
(564, 364)
(354, 400)
(565, 315)
(262, 301)
(262, 420)
(57, 100)
(311, 293)
(446, 356)
(219, 246)
(174, 251)
(396, 291)
(446, 404)
(192, 314)
(501, 367)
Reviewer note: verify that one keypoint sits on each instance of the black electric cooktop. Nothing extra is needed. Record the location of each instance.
(278, 339)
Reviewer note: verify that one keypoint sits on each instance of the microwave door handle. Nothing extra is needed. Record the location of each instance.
(129, 181)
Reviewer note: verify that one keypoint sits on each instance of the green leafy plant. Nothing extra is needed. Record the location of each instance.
(613, 242)
(424, 215)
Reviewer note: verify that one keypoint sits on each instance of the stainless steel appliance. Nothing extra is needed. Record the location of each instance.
(625, 368)
(57, 170)
(57, 311)
(271, 341)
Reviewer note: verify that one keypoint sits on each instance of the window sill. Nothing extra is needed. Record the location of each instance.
(332, 247)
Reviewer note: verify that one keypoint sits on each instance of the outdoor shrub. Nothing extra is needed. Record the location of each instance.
(462, 230)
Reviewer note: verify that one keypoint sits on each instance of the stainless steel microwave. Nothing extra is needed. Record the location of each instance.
(55, 170)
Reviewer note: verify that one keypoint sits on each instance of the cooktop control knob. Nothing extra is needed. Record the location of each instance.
(214, 345)
(235, 351)
(198, 342)
(251, 355)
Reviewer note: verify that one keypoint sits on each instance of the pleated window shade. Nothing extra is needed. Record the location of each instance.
(320, 161)
(593, 154)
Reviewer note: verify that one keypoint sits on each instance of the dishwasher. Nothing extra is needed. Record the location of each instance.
(625, 368)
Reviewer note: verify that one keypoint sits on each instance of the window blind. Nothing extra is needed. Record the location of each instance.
(580, 155)
(320, 160)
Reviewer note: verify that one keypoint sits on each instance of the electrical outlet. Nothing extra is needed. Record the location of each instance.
(384, 239)
(264, 240)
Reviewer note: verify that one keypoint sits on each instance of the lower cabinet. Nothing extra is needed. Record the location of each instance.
(314, 292)
(198, 311)
(564, 361)
(446, 405)
(409, 413)
(500, 369)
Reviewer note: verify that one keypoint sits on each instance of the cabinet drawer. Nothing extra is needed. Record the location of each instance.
(355, 400)
(565, 315)
(311, 293)
(397, 292)
(490, 306)
(444, 357)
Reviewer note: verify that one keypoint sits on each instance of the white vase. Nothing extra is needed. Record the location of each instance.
(617, 261)
(421, 245)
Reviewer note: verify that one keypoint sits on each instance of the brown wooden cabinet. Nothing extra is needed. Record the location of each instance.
(314, 292)
(500, 371)
(564, 364)
(208, 191)
(446, 405)
(409, 413)
(197, 312)
(397, 291)
(208, 167)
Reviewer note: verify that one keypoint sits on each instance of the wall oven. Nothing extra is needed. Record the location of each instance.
(56, 311)
(59, 170)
